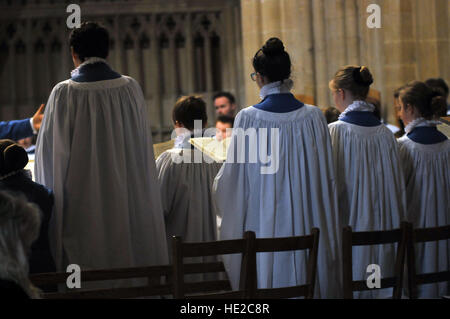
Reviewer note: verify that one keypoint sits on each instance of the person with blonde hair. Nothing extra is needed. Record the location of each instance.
(19, 228)
(425, 155)
(371, 191)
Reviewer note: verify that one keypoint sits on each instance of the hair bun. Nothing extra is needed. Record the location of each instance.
(438, 105)
(273, 46)
(363, 76)
(16, 158)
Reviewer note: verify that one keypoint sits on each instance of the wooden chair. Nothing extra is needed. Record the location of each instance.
(153, 288)
(351, 239)
(260, 245)
(421, 236)
(216, 289)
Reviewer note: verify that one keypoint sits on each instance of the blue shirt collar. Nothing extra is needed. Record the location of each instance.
(361, 118)
(279, 103)
(426, 135)
(95, 72)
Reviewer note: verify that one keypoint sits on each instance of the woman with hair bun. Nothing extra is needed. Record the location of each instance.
(371, 191)
(425, 155)
(289, 189)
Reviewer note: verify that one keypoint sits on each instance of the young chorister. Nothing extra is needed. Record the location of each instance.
(371, 192)
(425, 155)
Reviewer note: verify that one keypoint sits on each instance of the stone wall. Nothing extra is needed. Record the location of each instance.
(322, 35)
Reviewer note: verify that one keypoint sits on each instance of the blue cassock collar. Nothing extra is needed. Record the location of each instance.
(426, 135)
(95, 72)
(361, 118)
(279, 103)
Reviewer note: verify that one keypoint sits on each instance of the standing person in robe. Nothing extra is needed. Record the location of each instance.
(289, 189)
(94, 150)
(425, 155)
(185, 183)
(371, 190)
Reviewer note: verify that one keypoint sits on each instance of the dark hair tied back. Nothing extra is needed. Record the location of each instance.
(428, 101)
(362, 76)
(273, 61)
(273, 47)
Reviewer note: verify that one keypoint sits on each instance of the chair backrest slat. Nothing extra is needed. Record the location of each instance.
(102, 274)
(113, 293)
(199, 268)
(283, 244)
(282, 293)
(431, 234)
(181, 250)
(423, 235)
(213, 248)
(310, 243)
(376, 237)
(368, 238)
(153, 274)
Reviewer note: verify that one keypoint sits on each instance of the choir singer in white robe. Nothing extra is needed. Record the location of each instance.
(425, 155)
(95, 151)
(289, 188)
(370, 182)
(186, 178)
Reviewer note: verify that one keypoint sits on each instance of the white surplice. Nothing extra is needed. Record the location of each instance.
(299, 196)
(95, 151)
(427, 176)
(186, 194)
(371, 192)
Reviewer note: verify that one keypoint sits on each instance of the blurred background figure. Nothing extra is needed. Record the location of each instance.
(377, 112)
(19, 228)
(331, 114)
(397, 108)
(441, 86)
(225, 104)
(29, 144)
(224, 124)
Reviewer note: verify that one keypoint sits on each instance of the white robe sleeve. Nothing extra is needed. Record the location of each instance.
(52, 158)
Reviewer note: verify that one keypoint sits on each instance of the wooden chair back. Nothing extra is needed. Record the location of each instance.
(350, 239)
(423, 235)
(261, 245)
(215, 289)
(157, 276)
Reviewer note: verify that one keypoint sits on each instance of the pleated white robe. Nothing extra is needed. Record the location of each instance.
(95, 151)
(299, 196)
(186, 195)
(426, 170)
(371, 193)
